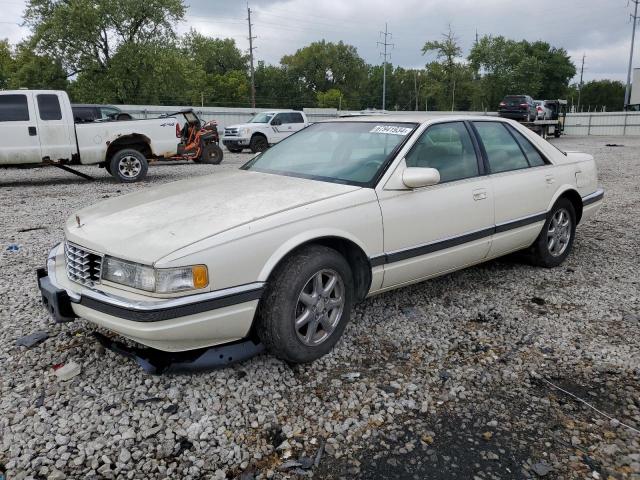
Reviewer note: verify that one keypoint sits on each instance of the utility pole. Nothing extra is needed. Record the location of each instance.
(415, 87)
(580, 84)
(251, 48)
(384, 54)
(634, 19)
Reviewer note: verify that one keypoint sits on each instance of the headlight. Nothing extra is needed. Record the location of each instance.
(244, 132)
(161, 280)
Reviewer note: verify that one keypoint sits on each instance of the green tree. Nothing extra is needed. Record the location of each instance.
(598, 94)
(322, 66)
(214, 55)
(278, 86)
(509, 67)
(332, 98)
(36, 71)
(448, 79)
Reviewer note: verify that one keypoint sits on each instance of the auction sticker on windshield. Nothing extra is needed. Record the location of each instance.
(390, 130)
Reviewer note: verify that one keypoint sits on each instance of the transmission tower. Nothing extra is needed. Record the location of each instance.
(384, 44)
(251, 49)
(634, 20)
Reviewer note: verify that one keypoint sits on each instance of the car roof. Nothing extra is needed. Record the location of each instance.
(412, 118)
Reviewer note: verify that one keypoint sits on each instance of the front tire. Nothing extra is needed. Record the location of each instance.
(307, 305)
(128, 166)
(555, 241)
(258, 143)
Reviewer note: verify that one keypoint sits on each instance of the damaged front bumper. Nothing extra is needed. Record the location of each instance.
(182, 324)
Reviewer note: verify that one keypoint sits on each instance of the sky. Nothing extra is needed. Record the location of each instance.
(598, 29)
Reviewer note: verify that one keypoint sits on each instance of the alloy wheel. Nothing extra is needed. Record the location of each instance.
(129, 166)
(559, 232)
(319, 307)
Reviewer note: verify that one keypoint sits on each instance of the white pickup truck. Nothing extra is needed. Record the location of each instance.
(263, 130)
(37, 127)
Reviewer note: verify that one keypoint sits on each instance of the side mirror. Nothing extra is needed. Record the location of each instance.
(276, 122)
(416, 177)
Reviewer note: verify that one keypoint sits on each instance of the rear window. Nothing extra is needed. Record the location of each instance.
(14, 108)
(514, 99)
(49, 107)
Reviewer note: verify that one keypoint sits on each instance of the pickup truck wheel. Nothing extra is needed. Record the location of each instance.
(555, 241)
(128, 166)
(211, 153)
(258, 143)
(307, 305)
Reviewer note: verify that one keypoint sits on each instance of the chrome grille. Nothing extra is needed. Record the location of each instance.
(231, 132)
(83, 266)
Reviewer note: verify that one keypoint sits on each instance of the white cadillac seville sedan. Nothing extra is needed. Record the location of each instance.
(282, 248)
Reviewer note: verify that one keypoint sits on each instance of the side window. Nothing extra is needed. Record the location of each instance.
(503, 152)
(278, 119)
(83, 114)
(49, 107)
(534, 157)
(295, 118)
(105, 112)
(446, 147)
(14, 108)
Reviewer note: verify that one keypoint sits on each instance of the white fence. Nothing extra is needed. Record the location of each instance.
(606, 123)
(582, 124)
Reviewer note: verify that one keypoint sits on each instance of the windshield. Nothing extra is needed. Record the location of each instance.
(341, 152)
(261, 118)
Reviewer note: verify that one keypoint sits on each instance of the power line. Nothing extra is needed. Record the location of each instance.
(251, 47)
(634, 20)
(384, 54)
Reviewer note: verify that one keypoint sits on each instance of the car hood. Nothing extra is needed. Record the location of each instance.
(148, 225)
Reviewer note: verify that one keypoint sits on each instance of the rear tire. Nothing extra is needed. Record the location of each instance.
(128, 166)
(555, 241)
(258, 143)
(211, 153)
(307, 305)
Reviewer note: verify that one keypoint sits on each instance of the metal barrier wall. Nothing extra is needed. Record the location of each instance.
(581, 124)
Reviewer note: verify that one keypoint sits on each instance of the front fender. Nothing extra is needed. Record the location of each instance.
(301, 239)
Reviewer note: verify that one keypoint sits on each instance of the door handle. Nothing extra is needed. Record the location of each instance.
(479, 194)
(32, 131)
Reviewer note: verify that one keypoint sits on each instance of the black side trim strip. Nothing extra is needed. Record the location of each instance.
(434, 247)
(520, 223)
(453, 242)
(173, 312)
(594, 199)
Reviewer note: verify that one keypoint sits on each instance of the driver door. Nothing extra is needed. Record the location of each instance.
(443, 227)
(279, 128)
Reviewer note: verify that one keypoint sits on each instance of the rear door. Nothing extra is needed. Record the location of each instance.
(19, 142)
(522, 182)
(55, 130)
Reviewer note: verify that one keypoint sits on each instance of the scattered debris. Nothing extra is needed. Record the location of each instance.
(316, 461)
(538, 300)
(351, 376)
(32, 339)
(68, 371)
(614, 145)
(31, 229)
(148, 400)
(289, 464)
(13, 247)
(171, 409)
(541, 468)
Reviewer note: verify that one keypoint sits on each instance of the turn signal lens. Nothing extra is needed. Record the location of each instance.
(200, 277)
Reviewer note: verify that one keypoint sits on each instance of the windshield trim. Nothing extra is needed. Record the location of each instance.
(370, 184)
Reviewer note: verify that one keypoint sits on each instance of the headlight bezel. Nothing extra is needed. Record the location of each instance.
(163, 281)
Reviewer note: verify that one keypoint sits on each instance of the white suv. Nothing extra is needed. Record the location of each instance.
(263, 130)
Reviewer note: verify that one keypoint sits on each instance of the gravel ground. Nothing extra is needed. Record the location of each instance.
(447, 379)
